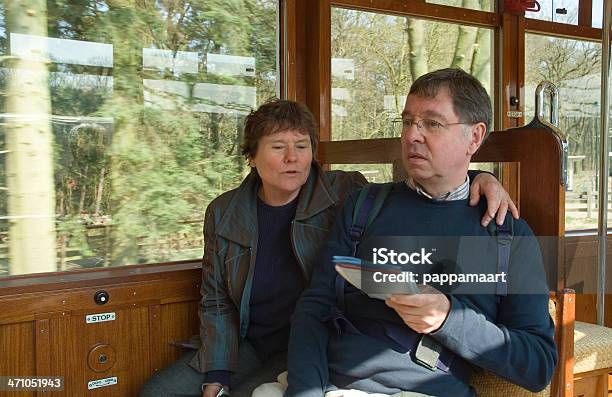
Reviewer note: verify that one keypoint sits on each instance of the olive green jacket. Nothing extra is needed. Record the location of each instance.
(230, 248)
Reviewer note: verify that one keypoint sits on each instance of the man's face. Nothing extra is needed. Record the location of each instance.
(436, 154)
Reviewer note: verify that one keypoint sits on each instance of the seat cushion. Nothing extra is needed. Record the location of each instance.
(592, 347)
(488, 385)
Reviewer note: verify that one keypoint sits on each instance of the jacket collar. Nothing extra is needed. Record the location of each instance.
(240, 218)
(316, 195)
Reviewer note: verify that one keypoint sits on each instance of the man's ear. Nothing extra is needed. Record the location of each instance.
(251, 162)
(477, 134)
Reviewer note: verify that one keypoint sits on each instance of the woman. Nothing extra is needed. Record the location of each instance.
(261, 240)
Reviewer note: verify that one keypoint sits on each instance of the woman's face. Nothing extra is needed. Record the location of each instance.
(283, 163)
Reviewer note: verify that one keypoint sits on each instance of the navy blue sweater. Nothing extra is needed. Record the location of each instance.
(511, 336)
(277, 280)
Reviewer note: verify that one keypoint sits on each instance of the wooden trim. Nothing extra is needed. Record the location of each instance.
(29, 283)
(159, 288)
(588, 374)
(513, 44)
(564, 336)
(299, 46)
(512, 47)
(155, 339)
(585, 13)
(562, 30)
(317, 62)
(43, 347)
(289, 49)
(425, 10)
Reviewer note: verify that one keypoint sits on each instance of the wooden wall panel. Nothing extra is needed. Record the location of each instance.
(17, 355)
(155, 340)
(77, 346)
(179, 322)
(581, 270)
(56, 340)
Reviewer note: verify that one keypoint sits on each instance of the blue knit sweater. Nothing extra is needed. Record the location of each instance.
(511, 336)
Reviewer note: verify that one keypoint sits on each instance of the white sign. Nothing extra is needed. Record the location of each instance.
(514, 114)
(95, 384)
(343, 68)
(206, 97)
(230, 65)
(100, 317)
(394, 105)
(76, 52)
(177, 61)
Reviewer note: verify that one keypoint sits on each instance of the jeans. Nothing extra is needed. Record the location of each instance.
(180, 380)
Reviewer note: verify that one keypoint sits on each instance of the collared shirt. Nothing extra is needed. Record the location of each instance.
(462, 192)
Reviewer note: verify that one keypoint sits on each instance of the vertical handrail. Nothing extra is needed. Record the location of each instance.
(602, 229)
(552, 122)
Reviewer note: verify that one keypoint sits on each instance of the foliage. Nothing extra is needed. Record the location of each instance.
(143, 168)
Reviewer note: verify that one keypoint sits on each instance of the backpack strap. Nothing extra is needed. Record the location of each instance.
(503, 234)
(368, 205)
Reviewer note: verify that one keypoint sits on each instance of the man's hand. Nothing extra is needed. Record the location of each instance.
(498, 200)
(212, 390)
(424, 312)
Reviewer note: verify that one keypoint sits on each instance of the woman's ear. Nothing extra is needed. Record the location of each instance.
(251, 162)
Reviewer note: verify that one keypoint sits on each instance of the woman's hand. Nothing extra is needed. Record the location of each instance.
(498, 200)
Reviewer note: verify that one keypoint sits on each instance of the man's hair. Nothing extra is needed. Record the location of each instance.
(470, 100)
(274, 116)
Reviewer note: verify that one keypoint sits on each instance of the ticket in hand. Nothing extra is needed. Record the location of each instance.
(376, 280)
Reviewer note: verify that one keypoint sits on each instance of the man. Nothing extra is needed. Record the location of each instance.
(424, 344)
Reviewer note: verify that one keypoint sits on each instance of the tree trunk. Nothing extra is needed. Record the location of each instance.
(418, 50)
(481, 59)
(83, 187)
(31, 200)
(465, 39)
(99, 191)
(215, 120)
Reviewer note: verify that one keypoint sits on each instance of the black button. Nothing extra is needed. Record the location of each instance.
(101, 297)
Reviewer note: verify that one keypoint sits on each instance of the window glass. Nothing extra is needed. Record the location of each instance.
(480, 5)
(561, 11)
(575, 67)
(371, 76)
(597, 14)
(121, 123)
(374, 173)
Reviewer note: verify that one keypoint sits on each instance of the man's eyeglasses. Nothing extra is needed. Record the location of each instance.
(426, 125)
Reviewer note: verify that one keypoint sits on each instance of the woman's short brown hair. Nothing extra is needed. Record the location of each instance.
(275, 116)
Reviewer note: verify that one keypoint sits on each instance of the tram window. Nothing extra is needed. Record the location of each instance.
(371, 75)
(480, 5)
(560, 11)
(374, 173)
(575, 67)
(121, 123)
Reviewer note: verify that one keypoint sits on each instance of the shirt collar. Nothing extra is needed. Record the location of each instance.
(461, 192)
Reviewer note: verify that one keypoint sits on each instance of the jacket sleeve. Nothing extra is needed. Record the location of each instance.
(519, 344)
(307, 357)
(218, 314)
